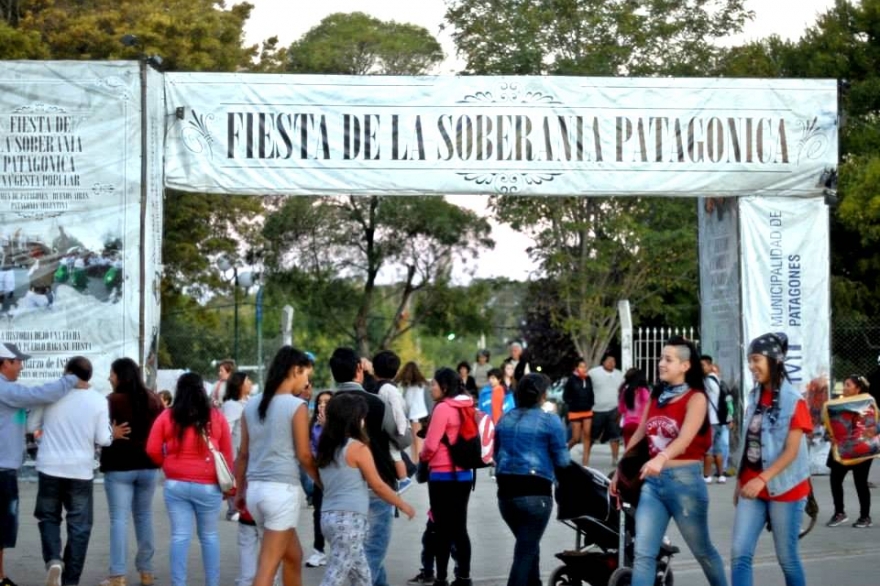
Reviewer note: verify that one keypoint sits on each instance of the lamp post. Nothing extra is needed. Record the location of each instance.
(244, 279)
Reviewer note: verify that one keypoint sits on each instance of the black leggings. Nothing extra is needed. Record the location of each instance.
(860, 479)
(449, 505)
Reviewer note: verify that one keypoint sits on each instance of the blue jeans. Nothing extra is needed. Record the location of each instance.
(785, 519)
(527, 518)
(130, 493)
(678, 493)
(378, 537)
(75, 497)
(183, 501)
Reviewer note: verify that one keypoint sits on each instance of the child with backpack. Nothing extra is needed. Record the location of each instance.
(346, 469)
(385, 365)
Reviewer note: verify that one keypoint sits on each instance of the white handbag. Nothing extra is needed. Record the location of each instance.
(225, 478)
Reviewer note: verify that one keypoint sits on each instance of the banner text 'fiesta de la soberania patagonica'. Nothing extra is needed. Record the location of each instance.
(551, 136)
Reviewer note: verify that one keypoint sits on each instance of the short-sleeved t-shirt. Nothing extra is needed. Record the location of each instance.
(752, 465)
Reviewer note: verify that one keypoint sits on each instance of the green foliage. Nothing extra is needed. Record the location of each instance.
(193, 35)
(445, 309)
(592, 37)
(358, 44)
(357, 237)
(199, 228)
(843, 44)
(598, 251)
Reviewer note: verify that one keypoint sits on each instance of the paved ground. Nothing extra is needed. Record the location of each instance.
(841, 556)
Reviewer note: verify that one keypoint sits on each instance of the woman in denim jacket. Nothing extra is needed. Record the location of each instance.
(774, 474)
(529, 444)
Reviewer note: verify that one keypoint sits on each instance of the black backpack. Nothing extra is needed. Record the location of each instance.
(723, 394)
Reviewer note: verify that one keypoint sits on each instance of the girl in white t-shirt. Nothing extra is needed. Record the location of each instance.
(414, 386)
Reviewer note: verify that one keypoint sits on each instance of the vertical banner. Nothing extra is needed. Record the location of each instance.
(70, 213)
(786, 286)
(721, 326)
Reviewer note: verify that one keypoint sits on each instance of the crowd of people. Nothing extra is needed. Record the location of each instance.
(357, 448)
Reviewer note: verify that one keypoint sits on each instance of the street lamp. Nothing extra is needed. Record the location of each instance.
(244, 279)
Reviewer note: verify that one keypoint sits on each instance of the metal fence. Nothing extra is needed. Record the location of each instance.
(855, 346)
(648, 345)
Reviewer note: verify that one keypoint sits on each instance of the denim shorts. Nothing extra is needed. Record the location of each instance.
(720, 440)
(274, 505)
(8, 508)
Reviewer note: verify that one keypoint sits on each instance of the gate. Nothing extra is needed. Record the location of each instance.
(648, 345)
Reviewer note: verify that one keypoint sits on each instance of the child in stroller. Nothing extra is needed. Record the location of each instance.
(605, 534)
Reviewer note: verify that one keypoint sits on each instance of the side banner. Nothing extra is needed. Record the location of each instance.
(70, 188)
(786, 288)
(720, 324)
(380, 135)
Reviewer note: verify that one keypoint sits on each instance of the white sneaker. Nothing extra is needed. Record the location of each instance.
(53, 576)
(721, 479)
(707, 479)
(404, 485)
(316, 560)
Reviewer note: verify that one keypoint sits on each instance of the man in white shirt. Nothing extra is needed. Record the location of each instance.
(606, 381)
(71, 428)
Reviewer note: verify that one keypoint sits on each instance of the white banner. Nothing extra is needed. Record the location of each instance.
(786, 282)
(70, 191)
(378, 135)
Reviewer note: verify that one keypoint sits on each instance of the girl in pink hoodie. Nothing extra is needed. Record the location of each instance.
(449, 487)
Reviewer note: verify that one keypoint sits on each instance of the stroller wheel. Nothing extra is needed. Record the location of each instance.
(563, 576)
(621, 577)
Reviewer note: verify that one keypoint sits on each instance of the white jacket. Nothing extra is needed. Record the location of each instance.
(72, 428)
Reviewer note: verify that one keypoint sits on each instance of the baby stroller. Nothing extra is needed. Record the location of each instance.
(604, 543)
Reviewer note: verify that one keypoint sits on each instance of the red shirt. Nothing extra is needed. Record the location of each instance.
(189, 460)
(497, 403)
(800, 420)
(665, 423)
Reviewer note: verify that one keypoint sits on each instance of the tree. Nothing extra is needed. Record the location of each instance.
(591, 37)
(358, 44)
(358, 237)
(195, 35)
(361, 236)
(842, 45)
(598, 251)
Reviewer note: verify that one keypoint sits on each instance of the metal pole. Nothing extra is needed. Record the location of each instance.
(259, 318)
(235, 318)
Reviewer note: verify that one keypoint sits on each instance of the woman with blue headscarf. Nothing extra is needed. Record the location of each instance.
(774, 473)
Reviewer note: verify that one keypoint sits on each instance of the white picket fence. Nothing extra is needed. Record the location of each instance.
(648, 345)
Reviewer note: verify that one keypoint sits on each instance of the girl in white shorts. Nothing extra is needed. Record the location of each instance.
(274, 444)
